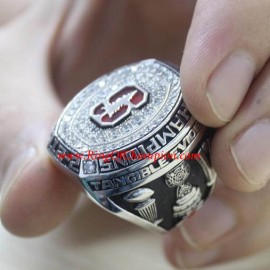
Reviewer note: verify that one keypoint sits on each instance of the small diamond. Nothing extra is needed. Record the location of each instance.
(126, 128)
(142, 133)
(155, 123)
(78, 146)
(136, 120)
(174, 94)
(114, 146)
(115, 87)
(163, 114)
(147, 110)
(102, 84)
(84, 148)
(92, 140)
(134, 68)
(170, 77)
(89, 167)
(121, 143)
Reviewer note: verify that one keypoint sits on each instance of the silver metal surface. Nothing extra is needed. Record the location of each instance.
(124, 136)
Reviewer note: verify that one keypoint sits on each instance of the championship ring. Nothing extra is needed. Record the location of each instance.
(135, 148)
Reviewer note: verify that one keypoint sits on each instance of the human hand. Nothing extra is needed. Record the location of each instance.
(61, 47)
(225, 77)
(52, 50)
(35, 196)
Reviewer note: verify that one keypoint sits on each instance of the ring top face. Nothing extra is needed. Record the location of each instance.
(114, 135)
(116, 110)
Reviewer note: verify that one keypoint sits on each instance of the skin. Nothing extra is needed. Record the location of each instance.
(51, 49)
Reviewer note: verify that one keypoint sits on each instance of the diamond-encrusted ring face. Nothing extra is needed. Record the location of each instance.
(134, 146)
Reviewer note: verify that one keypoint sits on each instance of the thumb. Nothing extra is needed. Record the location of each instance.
(35, 196)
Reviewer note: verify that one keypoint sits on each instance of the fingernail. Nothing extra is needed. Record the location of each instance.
(195, 259)
(17, 164)
(208, 225)
(250, 151)
(229, 83)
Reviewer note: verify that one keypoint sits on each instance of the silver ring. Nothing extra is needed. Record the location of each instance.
(135, 148)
